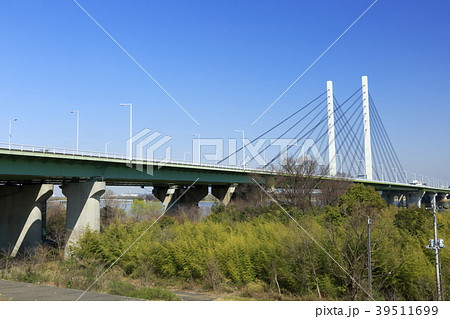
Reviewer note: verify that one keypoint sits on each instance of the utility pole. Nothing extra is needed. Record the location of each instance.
(369, 257)
(436, 244)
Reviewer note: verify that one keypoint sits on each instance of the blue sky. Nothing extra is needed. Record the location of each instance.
(225, 62)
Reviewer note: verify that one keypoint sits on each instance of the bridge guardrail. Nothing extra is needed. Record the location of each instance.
(96, 154)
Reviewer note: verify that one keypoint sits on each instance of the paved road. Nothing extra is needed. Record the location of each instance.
(190, 296)
(20, 291)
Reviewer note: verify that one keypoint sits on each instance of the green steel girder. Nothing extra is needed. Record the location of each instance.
(28, 166)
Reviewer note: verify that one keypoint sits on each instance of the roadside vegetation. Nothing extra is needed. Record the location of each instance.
(258, 252)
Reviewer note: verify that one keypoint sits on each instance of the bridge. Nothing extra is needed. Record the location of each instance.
(28, 173)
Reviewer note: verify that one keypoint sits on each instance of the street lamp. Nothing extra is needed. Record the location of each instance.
(396, 180)
(199, 149)
(340, 163)
(9, 136)
(382, 173)
(78, 124)
(106, 146)
(131, 129)
(363, 175)
(243, 147)
(184, 155)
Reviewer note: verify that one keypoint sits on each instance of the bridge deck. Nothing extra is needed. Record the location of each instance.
(51, 165)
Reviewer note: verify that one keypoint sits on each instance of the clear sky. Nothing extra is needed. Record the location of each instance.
(225, 62)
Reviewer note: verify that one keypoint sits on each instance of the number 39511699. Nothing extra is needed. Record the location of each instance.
(406, 310)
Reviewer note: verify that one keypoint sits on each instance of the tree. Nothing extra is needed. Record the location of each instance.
(302, 183)
(348, 234)
(143, 210)
(295, 182)
(112, 209)
(56, 224)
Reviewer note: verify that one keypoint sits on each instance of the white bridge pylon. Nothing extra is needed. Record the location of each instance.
(331, 132)
(331, 136)
(367, 141)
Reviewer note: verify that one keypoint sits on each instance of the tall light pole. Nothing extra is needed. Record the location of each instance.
(363, 164)
(396, 179)
(199, 149)
(78, 125)
(131, 129)
(340, 163)
(436, 244)
(106, 146)
(382, 173)
(9, 136)
(243, 147)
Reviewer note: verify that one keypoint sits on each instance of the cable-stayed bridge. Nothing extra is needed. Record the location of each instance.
(346, 139)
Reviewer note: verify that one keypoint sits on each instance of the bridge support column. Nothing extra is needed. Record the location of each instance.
(83, 209)
(389, 197)
(402, 200)
(442, 200)
(165, 194)
(224, 193)
(414, 199)
(172, 196)
(21, 210)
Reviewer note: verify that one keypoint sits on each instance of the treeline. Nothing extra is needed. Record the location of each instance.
(271, 252)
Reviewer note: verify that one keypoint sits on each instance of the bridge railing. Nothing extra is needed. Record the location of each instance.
(96, 154)
(57, 150)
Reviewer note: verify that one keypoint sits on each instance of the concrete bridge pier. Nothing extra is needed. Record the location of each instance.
(21, 210)
(83, 209)
(414, 199)
(402, 200)
(172, 196)
(389, 197)
(224, 193)
(442, 200)
(166, 194)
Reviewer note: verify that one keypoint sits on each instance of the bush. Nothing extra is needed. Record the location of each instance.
(127, 289)
(251, 248)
